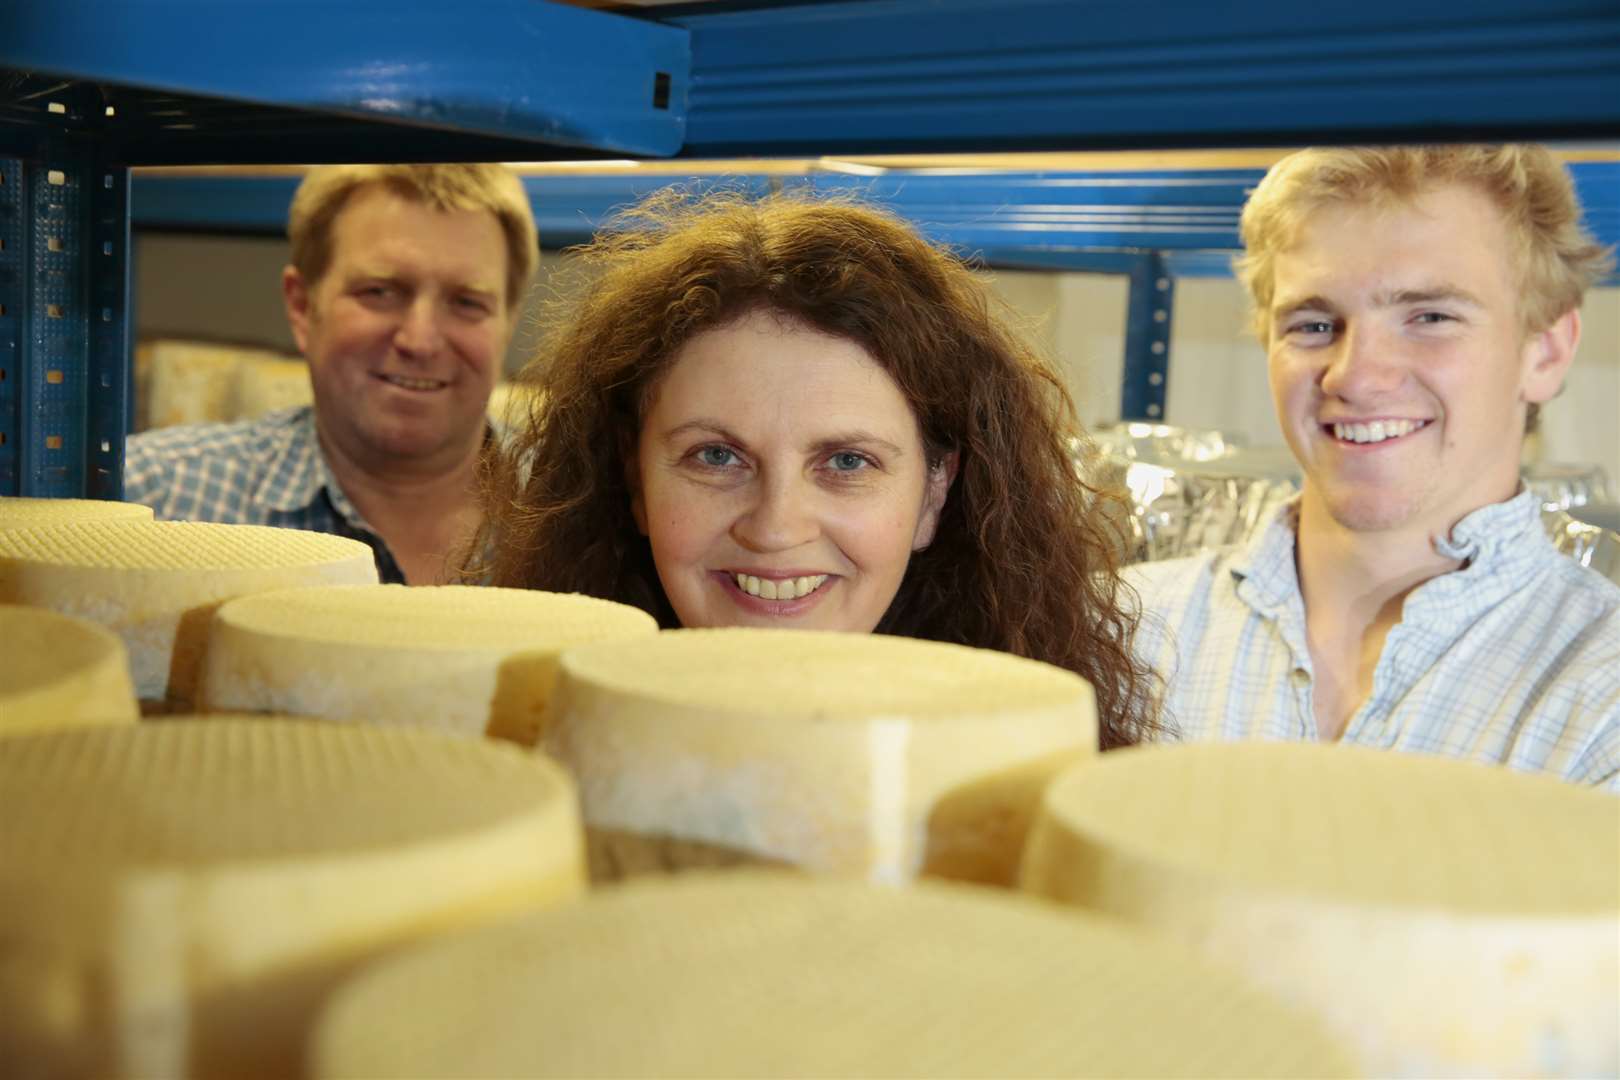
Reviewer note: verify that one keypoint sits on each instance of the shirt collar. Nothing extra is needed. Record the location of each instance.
(1497, 545)
(296, 473)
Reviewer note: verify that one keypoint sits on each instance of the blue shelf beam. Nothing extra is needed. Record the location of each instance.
(263, 81)
(892, 76)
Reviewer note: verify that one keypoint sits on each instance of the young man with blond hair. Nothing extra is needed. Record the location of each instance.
(402, 294)
(1416, 305)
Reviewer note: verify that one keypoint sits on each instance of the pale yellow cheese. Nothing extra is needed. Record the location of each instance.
(1443, 917)
(191, 382)
(461, 659)
(764, 975)
(180, 895)
(27, 513)
(157, 583)
(267, 382)
(850, 753)
(58, 672)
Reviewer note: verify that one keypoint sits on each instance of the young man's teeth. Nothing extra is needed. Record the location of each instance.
(1377, 431)
(785, 589)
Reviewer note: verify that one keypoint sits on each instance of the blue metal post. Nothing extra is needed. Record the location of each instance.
(1147, 339)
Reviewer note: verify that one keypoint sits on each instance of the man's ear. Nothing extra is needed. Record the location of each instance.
(1547, 356)
(941, 475)
(295, 297)
(628, 453)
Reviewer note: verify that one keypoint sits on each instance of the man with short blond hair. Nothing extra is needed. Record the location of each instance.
(1416, 305)
(402, 294)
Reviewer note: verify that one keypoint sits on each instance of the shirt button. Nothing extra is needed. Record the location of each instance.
(1301, 677)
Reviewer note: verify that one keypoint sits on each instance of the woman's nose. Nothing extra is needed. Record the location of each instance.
(780, 515)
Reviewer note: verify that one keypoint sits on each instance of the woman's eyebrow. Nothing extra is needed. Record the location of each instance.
(856, 438)
(703, 426)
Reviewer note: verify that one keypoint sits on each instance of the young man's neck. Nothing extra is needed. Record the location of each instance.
(1354, 585)
(423, 510)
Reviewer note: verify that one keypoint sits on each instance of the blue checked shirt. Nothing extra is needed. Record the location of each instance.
(1512, 659)
(268, 471)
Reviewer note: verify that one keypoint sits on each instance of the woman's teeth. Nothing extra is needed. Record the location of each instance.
(1377, 431)
(785, 589)
(413, 384)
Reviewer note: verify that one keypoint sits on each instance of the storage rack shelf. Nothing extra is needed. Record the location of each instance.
(89, 89)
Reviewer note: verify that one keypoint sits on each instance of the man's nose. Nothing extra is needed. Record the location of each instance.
(419, 332)
(781, 514)
(1365, 363)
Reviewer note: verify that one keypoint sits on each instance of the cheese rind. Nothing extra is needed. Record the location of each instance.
(156, 583)
(1443, 917)
(57, 671)
(181, 895)
(847, 753)
(27, 513)
(457, 658)
(770, 975)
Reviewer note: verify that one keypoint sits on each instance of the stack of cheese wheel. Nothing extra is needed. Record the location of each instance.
(1443, 917)
(26, 513)
(848, 753)
(461, 659)
(765, 975)
(179, 897)
(57, 671)
(156, 583)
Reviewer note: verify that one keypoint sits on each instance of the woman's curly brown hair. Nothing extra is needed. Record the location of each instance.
(1022, 560)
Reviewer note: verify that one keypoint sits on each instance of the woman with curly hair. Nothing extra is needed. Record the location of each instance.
(797, 412)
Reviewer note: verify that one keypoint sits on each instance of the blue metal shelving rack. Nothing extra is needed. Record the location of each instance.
(268, 81)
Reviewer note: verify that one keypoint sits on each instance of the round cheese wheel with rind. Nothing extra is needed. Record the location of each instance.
(860, 754)
(27, 513)
(1443, 917)
(179, 895)
(754, 974)
(58, 672)
(156, 583)
(454, 657)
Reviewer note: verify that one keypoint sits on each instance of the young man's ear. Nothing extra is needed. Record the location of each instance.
(295, 297)
(941, 475)
(1547, 356)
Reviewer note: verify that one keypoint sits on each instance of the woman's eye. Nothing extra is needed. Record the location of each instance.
(716, 457)
(847, 461)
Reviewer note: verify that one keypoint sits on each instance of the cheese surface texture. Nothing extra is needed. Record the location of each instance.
(23, 513)
(458, 658)
(861, 754)
(181, 894)
(58, 672)
(1443, 917)
(755, 974)
(157, 583)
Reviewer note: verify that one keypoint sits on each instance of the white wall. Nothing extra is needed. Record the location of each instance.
(227, 288)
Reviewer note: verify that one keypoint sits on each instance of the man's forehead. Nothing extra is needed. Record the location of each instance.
(379, 233)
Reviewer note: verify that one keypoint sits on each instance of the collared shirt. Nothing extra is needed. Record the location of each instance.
(1513, 659)
(268, 471)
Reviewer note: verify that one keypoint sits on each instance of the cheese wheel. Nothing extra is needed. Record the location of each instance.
(462, 659)
(25, 513)
(763, 975)
(57, 671)
(180, 895)
(192, 382)
(849, 753)
(1443, 917)
(268, 382)
(156, 583)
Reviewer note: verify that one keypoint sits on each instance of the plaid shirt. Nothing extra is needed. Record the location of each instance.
(1513, 659)
(268, 471)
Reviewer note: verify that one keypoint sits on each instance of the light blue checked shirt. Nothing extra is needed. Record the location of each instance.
(1512, 659)
(268, 471)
